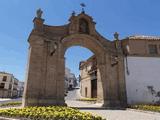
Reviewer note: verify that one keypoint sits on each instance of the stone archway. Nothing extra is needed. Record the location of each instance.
(45, 70)
(94, 46)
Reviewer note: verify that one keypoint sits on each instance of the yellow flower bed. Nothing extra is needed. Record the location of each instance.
(48, 113)
(154, 108)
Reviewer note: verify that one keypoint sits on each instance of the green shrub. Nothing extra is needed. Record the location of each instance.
(154, 108)
(11, 104)
(48, 113)
(88, 99)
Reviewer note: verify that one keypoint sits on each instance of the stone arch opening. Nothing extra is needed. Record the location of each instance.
(96, 48)
(80, 78)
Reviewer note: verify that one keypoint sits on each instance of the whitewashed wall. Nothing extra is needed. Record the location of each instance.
(143, 81)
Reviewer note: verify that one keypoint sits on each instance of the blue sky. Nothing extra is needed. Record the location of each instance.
(128, 17)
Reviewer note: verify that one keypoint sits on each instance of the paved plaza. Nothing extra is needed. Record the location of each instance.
(96, 109)
(125, 114)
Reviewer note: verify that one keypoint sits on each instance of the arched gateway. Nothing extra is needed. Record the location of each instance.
(46, 64)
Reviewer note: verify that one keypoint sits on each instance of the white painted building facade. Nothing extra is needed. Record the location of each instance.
(143, 80)
(10, 86)
(142, 69)
(70, 79)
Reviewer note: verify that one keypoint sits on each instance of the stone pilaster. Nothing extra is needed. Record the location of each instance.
(34, 74)
(122, 84)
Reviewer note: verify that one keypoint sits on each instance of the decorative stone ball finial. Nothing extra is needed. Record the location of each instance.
(39, 13)
(116, 35)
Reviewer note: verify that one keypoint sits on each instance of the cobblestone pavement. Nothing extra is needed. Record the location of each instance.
(128, 114)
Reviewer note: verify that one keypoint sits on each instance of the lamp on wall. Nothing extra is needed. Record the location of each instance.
(127, 51)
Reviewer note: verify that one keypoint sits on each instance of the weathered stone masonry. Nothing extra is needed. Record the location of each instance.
(46, 63)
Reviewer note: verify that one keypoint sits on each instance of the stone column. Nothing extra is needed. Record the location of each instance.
(48, 96)
(103, 80)
(34, 72)
(111, 75)
(60, 75)
(106, 71)
(60, 81)
(100, 81)
(122, 84)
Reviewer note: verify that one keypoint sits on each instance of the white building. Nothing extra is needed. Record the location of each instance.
(8, 85)
(142, 69)
(70, 79)
(20, 88)
(143, 80)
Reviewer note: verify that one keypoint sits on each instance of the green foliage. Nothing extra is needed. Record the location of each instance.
(11, 104)
(48, 113)
(87, 99)
(154, 108)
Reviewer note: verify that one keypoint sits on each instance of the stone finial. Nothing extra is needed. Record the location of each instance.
(38, 21)
(117, 41)
(73, 13)
(116, 36)
(39, 13)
